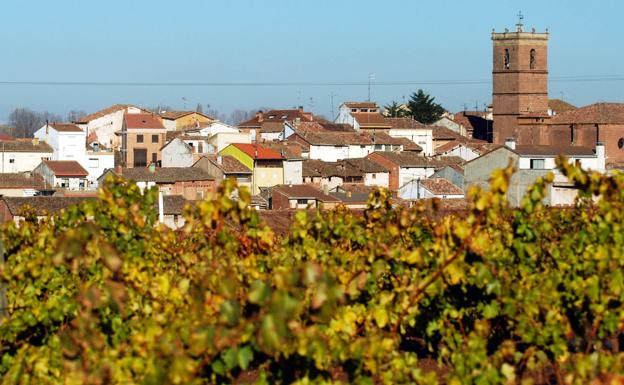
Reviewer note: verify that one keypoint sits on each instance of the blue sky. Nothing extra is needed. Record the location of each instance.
(290, 41)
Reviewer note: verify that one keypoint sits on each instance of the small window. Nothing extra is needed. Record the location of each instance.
(506, 59)
(374, 176)
(12, 160)
(302, 201)
(621, 143)
(532, 59)
(154, 157)
(139, 138)
(537, 164)
(154, 138)
(378, 147)
(354, 110)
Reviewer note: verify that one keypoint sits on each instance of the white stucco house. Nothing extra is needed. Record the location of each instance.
(23, 155)
(413, 130)
(68, 141)
(104, 123)
(65, 174)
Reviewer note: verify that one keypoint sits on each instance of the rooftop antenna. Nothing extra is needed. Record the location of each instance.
(476, 105)
(371, 77)
(520, 19)
(331, 96)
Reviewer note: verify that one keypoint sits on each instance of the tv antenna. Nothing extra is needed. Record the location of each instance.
(520, 19)
(371, 77)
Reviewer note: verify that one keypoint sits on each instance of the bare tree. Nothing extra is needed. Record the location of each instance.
(26, 121)
(199, 108)
(74, 115)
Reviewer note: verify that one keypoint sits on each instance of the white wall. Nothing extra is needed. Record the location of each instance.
(66, 145)
(21, 161)
(421, 136)
(293, 171)
(381, 179)
(223, 139)
(407, 174)
(328, 153)
(463, 152)
(270, 136)
(98, 162)
(344, 117)
(177, 154)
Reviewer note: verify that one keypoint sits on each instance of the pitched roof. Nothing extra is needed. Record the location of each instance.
(144, 121)
(599, 113)
(366, 165)
(65, 168)
(409, 145)
(290, 150)
(105, 111)
(173, 204)
(441, 186)
(348, 138)
(65, 127)
(312, 168)
(331, 126)
(21, 180)
(443, 133)
(25, 146)
(166, 174)
(406, 123)
(174, 115)
(409, 159)
(229, 164)
(361, 104)
(370, 119)
(300, 191)
(350, 197)
(479, 146)
(42, 204)
(273, 116)
(257, 151)
(559, 105)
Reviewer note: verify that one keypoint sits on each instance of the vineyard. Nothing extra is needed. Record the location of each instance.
(103, 294)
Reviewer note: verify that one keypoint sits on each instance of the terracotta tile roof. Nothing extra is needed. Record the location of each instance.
(350, 197)
(276, 116)
(366, 165)
(271, 127)
(357, 188)
(313, 167)
(65, 127)
(409, 159)
(405, 123)
(331, 126)
(290, 150)
(554, 150)
(441, 186)
(21, 180)
(25, 146)
(106, 111)
(4, 137)
(229, 164)
(142, 121)
(173, 204)
(43, 205)
(347, 138)
(599, 113)
(174, 115)
(256, 151)
(408, 145)
(301, 191)
(361, 104)
(443, 133)
(559, 106)
(65, 168)
(166, 174)
(370, 119)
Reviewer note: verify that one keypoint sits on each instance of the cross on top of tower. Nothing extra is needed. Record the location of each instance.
(520, 19)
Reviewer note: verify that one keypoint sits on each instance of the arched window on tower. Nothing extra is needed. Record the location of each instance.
(532, 59)
(506, 59)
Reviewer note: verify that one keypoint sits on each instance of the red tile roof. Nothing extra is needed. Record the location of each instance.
(300, 191)
(144, 121)
(21, 180)
(441, 186)
(276, 116)
(599, 113)
(560, 106)
(371, 119)
(405, 123)
(443, 133)
(361, 104)
(65, 127)
(256, 151)
(66, 168)
(21, 145)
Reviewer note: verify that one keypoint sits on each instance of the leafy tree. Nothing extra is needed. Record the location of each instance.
(396, 110)
(424, 108)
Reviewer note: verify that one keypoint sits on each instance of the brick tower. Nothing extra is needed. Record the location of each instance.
(520, 81)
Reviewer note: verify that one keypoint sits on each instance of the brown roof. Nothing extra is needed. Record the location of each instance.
(331, 126)
(104, 112)
(166, 174)
(43, 205)
(25, 146)
(290, 150)
(559, 105)
(441, 186)
(370, 119)
(65, 127)
(173, 204)
(297, 191)
(443, 133)
(229, 164)
(409, 145)
(65, 168)
(361, 104)
(173, 115)
(479, 146)
(313, 167)
(350, 197)
(144, 121)
(21, 180)
(405, 123)
(271, 127)
(410, 159)
(599, 113)
(366, 165)
(273, 116)
(358, 188)
(554, 150)
(347, 138)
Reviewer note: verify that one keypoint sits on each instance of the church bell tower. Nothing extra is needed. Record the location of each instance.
(520, 80)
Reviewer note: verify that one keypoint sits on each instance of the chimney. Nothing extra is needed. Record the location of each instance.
(510, 143)
(600, 156)
(260, 116)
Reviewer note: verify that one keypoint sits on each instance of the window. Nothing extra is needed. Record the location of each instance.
(537, 164)
(571, 133)
(621, 143)
(532, 59)
(354, 110)
(139, 138)
(374, 176)
(64, 183)
(506, 59)
(12, 160)
(378, 147)
(154, 138)
(154, 157)
(302, 201)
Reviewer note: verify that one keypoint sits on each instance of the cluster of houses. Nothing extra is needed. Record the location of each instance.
(288, 159)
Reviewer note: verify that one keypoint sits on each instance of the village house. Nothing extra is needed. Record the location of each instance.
(270, 125)
(418, 133)
(531, 162)
(185, 150)
(96, 161)
(190, 182)
(23, 155)
(363, 116)
(68, 141)
(267, 165)
(222, 167)
(432, 188)
(64, 174)
(300, 196)
(293, 160)
(373, 173)
(105, 123)
(12, 208)
(143, 135)
(454, 173)
(180, 120)
(405, 167)
(467, 149)
(21, 184)
(329, 175)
